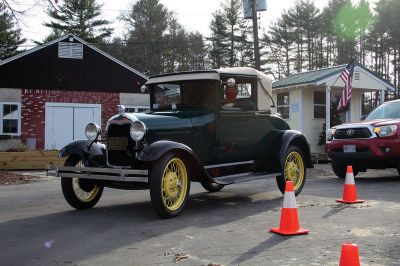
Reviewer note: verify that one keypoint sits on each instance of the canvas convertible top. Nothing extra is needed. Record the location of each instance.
(264, 82)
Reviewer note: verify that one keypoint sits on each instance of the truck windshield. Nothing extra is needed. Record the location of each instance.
(385, 111)
(190, 94)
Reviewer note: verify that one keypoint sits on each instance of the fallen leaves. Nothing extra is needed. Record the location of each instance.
(180, 256)
(8, 178)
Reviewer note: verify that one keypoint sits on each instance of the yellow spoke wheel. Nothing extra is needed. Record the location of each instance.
(169, 185)
(80, 193)
(293, 169)
(174, 183)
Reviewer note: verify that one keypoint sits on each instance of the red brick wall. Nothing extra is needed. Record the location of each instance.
(33, 108)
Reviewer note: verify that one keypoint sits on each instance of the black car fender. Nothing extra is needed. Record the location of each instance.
(157, 149)
(92, 154)
(294, 137)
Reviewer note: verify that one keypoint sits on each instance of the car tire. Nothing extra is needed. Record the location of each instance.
(169, 185)
(340, 170)
(211, 186)
(294, 169)
(80, 193)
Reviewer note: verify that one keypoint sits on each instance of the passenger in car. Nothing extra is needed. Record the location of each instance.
(231, 102)
(230, 96)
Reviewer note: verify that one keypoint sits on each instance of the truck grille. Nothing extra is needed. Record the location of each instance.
(118, 143)
(353, 133)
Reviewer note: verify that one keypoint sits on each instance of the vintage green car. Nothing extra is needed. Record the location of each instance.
(214, 127)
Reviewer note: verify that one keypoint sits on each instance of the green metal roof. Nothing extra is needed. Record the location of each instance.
(319, 74)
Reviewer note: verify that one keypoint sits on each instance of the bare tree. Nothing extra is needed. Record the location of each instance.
(18, 10)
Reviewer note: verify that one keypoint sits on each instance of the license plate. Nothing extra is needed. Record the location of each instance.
(117, 143)
(349, 148)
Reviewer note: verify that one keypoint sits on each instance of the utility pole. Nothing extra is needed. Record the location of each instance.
(255, 34)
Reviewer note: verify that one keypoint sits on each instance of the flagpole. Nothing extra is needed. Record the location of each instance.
(349, 78)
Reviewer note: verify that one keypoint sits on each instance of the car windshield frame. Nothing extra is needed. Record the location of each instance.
(183, 95)
(390, 110)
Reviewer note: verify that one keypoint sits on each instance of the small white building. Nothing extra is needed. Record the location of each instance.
(301, 98)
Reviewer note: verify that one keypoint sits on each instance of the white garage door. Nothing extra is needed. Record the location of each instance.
(66, 122)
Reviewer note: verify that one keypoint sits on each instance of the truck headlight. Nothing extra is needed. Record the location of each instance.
(330, 133)
(92, 131)
(138, 129)
(385, 131)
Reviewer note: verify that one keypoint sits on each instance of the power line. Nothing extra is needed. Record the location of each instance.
(113, 10)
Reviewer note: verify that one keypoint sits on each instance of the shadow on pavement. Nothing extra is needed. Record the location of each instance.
(368, 188)
(335, 211)
(77, 235)
(274, 240)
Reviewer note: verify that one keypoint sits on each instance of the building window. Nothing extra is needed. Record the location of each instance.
(136, 109)
(283, 104)
(10, 118)
(319, 104)
(70, 50)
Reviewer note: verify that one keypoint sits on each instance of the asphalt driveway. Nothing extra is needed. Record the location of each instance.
(230, 227)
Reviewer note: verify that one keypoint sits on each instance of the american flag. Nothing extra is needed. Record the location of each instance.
(346, 76)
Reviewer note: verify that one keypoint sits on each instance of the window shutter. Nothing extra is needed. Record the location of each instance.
(70, 50)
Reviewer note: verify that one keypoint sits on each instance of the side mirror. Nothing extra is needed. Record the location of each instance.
(363, 117)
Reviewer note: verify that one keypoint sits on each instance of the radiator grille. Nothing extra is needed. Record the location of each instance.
(118, 143)
(353, 133)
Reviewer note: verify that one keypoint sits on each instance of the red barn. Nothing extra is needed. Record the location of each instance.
(49, 93)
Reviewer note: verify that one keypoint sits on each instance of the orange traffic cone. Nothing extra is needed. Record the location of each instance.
(289, 224)
(349, 191)
(349, 256)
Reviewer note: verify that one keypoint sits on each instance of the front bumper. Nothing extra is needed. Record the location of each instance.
(106, 174)
(370, 153)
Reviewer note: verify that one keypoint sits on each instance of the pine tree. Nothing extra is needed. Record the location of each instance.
(218, 48)
(148, 22)
(10, 34)
(282, 39)
(79, 17)
(230, 45)
(304, 20)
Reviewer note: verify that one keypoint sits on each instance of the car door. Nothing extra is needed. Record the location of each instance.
(240, 126)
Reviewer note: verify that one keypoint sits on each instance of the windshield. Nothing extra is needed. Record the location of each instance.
(183, 95)
(385, 111)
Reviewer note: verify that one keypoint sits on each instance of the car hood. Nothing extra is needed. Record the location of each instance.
(154, 121)
(374, 123)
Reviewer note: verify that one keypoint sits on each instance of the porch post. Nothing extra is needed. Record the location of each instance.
(301, 110)
(382, 96)
(327, 110)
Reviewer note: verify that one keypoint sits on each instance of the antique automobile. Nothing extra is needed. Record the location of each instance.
(214, 127)
(373, 143)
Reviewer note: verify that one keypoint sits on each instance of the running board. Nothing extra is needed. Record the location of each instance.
(244, 177)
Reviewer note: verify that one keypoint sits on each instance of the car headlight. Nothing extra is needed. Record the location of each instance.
(92, 131)
(330, 133)
(138, 129)
(385, 131)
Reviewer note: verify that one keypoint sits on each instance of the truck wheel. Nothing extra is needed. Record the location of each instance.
(340, 170)
(169, 185)
(80, 193)
(294, 169)
(211, 186)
